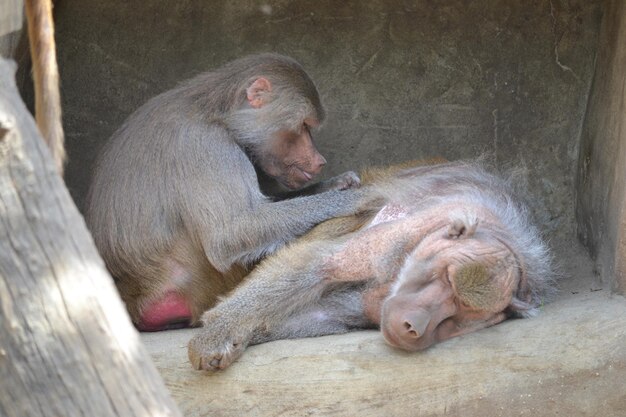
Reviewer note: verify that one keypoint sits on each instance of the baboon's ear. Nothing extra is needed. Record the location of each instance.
(257, 92)
(462, 227)
(475, 288)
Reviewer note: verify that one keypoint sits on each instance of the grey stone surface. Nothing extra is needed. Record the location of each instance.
(401, 79)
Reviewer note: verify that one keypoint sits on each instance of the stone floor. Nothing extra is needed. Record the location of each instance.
(568, 361)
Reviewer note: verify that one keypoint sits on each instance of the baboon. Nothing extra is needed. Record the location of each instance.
(175, 205)
(448, 251)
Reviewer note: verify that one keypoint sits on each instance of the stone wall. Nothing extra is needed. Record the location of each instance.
(401, 79)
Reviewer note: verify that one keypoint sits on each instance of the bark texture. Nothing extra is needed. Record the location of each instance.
(46, 77)
(67, 347)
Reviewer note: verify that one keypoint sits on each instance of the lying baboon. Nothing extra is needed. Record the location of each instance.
(446, 251)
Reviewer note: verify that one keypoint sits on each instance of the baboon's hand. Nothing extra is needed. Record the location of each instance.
(343, 181)
(217, 344)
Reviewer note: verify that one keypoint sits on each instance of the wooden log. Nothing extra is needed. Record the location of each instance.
(67, 347)
(601, 176)
(46, 77)
(569, 361)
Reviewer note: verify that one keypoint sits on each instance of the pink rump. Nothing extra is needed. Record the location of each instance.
(171, 311)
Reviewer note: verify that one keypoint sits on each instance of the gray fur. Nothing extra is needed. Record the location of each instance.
(469, 182)
(181, 168)
(289, 294)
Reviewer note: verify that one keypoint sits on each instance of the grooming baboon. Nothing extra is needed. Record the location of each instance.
(449, 251)
(175, 206)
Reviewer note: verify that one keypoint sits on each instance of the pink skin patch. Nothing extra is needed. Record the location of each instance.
(171, 311)
(389, 213)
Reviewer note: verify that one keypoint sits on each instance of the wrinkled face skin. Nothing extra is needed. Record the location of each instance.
(452, 284)
(292, 158)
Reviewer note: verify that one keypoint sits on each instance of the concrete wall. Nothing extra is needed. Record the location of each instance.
(401, 79)
(601, 210)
